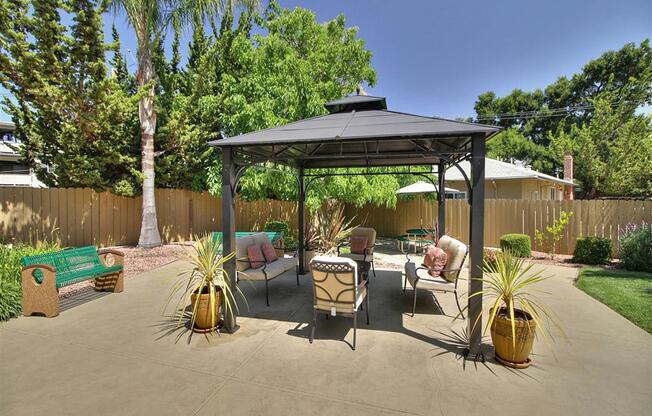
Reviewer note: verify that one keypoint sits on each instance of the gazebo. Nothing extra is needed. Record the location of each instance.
(360, 132)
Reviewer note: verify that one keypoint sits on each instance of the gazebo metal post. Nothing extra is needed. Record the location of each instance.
(477, 245)
(441, 199)
(228, 227)
(302, 218)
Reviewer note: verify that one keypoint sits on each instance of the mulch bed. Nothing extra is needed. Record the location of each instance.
(137, 260)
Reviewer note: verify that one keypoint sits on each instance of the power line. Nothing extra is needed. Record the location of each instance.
(545, 113)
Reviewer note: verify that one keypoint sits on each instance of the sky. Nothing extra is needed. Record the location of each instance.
(436, 57)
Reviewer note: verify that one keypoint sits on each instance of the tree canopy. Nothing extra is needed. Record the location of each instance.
(77, 126)
(595, 108)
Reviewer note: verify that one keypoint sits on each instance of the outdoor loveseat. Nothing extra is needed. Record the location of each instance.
(251, 266)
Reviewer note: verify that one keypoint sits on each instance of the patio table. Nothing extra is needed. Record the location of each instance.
(416, 235)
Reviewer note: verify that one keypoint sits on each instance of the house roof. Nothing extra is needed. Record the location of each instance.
(499, 170)
(422, 187)
(7, 126)
(360, 131)
(7, 152)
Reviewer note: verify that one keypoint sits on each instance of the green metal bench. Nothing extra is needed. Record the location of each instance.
(44, 274)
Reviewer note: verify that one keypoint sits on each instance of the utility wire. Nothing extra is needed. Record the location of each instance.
(545, 113)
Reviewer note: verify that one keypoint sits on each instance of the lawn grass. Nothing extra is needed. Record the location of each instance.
(628, 293)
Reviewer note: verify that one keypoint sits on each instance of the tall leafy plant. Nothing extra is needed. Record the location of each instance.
(206, 275)
(553, 233)
(510, 285)
(332, 226)
(76, 125)
(149, 19)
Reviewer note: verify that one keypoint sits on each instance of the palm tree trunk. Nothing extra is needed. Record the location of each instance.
(149, 235)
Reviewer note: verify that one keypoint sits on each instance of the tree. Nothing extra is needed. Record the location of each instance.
(74, 123)
(512, 144)
(119, 64)
(565, 111)
(149, 19)
(288, 74)
(613, 153)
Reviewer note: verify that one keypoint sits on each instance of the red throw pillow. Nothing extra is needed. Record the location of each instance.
(435, 259)
(358, 244)
(269, 252)
(256, 258)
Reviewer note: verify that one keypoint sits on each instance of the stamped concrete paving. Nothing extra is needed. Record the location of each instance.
(116, 355)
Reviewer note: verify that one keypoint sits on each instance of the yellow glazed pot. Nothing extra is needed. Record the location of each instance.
(206, 319)
(501, 336)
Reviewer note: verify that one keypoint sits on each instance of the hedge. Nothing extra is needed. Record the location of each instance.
(290, 242)
(636, 248)
(592, 250)
(519, 245)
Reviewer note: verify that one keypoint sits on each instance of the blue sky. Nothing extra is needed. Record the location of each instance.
(436, 57)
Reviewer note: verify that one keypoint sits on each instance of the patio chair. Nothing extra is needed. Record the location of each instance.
(447, 281)
(336, 290)
(367, 253)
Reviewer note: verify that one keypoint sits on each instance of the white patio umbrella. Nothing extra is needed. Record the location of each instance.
(422, 187)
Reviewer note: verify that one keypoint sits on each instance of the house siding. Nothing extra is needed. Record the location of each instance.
(516, 189)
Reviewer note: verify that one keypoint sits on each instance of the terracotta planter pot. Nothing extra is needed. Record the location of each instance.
(206, 319)
(501, 336)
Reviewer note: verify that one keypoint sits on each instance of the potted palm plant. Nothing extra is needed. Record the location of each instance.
(205, 286)
(515, 313)
(332, 226)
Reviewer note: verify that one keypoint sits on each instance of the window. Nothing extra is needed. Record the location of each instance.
(8, 137)
(12, 167)
(553, 193)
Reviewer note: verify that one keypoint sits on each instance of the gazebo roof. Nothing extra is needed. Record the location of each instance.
(358, 132)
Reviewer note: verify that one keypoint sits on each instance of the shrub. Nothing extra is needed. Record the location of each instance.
(636, 248)
(289, 241)
(592, 250)
(519, 245)
(10, 289)
(277, 226)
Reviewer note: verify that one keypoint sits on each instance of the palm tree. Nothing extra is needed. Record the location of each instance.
(149, 19)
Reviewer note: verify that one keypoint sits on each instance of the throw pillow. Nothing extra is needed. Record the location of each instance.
(358, 244)
(256, 258)
(269, 252)
(435, 259)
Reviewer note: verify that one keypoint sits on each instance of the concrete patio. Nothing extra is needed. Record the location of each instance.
(116, 355)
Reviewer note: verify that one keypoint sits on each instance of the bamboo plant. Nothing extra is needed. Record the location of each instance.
(206, 273)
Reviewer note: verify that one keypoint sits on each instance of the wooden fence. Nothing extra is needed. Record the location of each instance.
(603, 218)
(76, 217)
(82, 216)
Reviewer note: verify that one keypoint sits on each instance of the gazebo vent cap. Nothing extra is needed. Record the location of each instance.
(357, 103)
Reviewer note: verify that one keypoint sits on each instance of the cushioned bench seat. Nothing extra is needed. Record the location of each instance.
(269, 270)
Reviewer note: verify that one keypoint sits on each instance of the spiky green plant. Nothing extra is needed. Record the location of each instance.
(510, 284)
(332, 226)
(206, 273)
